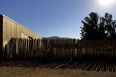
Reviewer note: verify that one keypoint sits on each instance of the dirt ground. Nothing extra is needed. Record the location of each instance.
(60, 69)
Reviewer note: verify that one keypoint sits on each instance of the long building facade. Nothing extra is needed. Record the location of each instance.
(10, 29)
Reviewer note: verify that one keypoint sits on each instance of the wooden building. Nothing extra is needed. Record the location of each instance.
(10, 29)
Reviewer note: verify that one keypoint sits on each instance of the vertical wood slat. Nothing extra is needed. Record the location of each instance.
(14, 49)
(7, 51)
(26, 48)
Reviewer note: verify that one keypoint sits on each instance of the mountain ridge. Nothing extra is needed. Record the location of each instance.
(56, 37)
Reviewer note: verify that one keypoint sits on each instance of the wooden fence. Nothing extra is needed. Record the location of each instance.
(97, 47)
(60, 48)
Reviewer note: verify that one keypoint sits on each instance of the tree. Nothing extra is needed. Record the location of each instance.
(91, 28)
(95, 27)
(110, 26)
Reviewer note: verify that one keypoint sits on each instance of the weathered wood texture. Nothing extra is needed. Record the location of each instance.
(12, 29)
(60, 48)
(97, 47)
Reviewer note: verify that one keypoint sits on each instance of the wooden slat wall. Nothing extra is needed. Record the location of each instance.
(12, 29)
(61, 48)
(97, 47)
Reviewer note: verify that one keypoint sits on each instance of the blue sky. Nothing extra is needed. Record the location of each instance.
(53, 17)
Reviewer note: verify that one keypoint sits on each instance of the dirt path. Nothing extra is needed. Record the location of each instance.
(33, 69)
(46, 72)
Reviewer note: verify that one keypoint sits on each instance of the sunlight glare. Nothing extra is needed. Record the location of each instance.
(106, 2)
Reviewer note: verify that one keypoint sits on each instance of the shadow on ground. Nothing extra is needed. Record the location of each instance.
(64, 64)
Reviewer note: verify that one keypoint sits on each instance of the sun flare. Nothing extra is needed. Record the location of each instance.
(106, 2)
